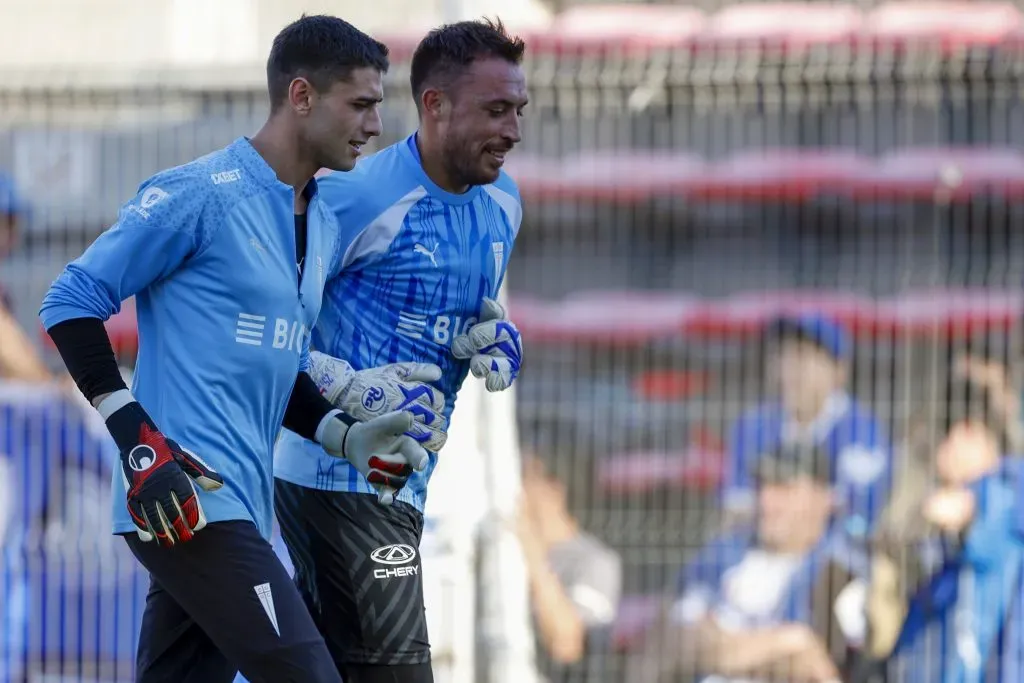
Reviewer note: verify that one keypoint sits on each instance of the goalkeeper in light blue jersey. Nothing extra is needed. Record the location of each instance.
(433, 220)
(227, 257)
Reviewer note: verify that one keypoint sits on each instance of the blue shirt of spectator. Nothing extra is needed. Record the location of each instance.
(965, 624)
(809, 362)
(788, 570)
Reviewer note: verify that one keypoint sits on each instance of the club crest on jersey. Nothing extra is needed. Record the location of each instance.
(374, 399)
(498, 249)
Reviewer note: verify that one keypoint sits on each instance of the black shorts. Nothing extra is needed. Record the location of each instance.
(357, 564)
(221, 603)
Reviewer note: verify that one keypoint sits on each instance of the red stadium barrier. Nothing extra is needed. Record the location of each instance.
(949, 24)
(638, 318)
(627, 28)
(784, 25)
(623, 176)
(630, 29)
(944, 174)
(786, 174)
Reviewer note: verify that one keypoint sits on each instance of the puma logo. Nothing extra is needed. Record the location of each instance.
(420, 249)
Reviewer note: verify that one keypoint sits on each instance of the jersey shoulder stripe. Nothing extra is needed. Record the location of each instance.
(505, 193)
(370, 204)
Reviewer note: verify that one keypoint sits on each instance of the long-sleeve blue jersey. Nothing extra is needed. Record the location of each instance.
(208, 250)
(417, 263)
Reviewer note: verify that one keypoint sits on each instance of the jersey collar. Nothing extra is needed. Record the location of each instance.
(410, 153)
(259, 169)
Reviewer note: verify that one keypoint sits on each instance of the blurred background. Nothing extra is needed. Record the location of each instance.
(769, 282)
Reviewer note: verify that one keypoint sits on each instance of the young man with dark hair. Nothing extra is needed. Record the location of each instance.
(432, 221)
(226, 256)
(765, 602)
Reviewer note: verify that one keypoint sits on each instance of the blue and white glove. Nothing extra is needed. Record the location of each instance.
(366, 394)
(493, 347)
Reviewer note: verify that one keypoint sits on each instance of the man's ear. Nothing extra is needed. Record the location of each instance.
(434, 103)
(300, 95)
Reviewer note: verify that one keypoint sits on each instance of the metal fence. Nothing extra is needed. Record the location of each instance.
(684, 183)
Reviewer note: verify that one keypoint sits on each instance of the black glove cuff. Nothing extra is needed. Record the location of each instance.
(125, 425)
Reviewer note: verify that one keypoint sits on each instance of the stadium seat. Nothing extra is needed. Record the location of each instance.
(619, 27)
(947, 24)
(784, 25)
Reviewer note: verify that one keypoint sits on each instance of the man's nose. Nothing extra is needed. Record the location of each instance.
(513, 131)
(373, 126)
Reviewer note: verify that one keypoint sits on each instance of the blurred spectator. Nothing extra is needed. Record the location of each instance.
(57, 550)
(809, 360)
(12, 210)
(962, 622)
(995, 377)
(575, 579)
(762, 604)
(18, 358)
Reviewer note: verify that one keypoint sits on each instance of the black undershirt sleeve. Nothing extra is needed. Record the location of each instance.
(84, 346)
(307, 407)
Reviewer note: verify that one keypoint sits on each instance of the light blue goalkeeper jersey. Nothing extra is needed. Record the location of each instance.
(208, 249)
(417, 263)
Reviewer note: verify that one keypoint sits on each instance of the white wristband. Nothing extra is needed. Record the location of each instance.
(114, 402)
(330, 433)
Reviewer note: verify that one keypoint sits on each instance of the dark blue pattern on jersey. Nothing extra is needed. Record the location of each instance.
(420, 263)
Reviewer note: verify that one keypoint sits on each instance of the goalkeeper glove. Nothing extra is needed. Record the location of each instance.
(493, 347)
(159, 475)
(379, 448)
(365, 394)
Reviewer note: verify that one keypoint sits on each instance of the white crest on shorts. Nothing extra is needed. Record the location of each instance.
(267, 600)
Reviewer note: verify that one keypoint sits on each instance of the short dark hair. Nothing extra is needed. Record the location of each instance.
(322, 49)
(446, 51)
(788, 462)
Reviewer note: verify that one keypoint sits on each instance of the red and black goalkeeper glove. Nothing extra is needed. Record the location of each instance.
(160, 477)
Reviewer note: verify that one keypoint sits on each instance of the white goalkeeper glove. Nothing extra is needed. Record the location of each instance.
(379, 448)
(365, 394)
(493, 347)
